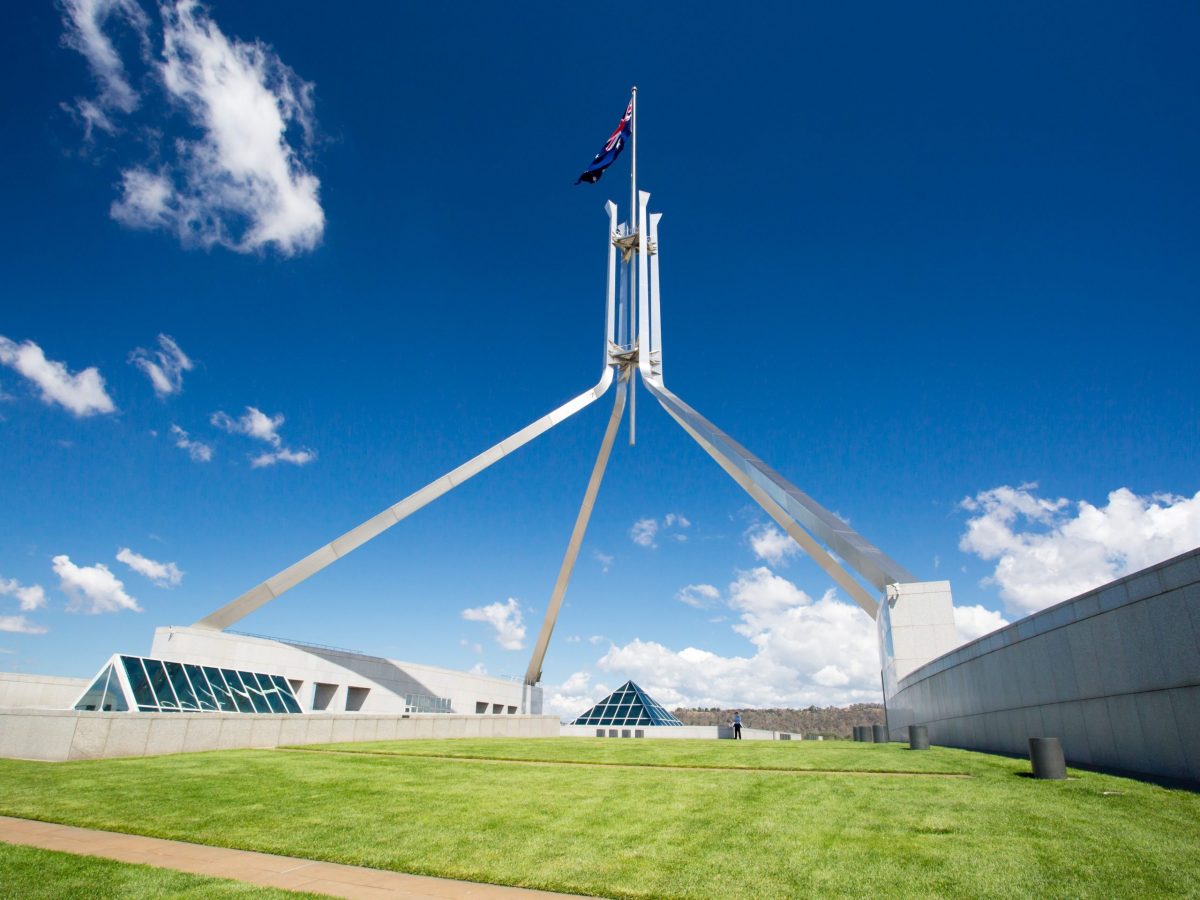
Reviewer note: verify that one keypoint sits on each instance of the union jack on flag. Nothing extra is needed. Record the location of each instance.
(612, 148)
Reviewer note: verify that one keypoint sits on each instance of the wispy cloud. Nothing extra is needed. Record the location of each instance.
(164, 575)
(197, 450)
(505, 619)
(243, 183)
(604, 559)
(164, 366)
(258, 425)
(645, 532)
(82, 393)
(85, 22)
(20, 625)
(700, 596)
(92, 589)
(1049, 550)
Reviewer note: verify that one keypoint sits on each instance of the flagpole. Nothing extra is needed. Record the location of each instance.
(633, 227)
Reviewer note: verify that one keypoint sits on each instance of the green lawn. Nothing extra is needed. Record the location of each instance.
(635, 830)
(33, 874)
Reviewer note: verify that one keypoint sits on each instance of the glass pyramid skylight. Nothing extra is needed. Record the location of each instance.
(627, 705)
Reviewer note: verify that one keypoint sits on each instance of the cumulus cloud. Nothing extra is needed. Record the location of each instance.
(976, 621)
(82, 393)
(20, 625)
(805, 651)
(643, 532)
(164, 575)
(240, 179)
(505, 618)
(1049, 550)
(573, 696)
(770, 544)
(30, 597)
(92, 589)
(258, 425)
(701, 596)
(197, 450)
(164, 366)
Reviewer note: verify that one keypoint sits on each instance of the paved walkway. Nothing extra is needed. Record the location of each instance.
(287, 872)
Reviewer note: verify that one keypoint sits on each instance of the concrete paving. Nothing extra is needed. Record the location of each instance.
(287, 872)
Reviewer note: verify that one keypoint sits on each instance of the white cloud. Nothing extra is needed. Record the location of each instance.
(770, 544)
(283, 454)
(573, 696)
(164, 367)
(806, 651)
(596, 639)
(30, 597)
(1047, 551)
(82, 393)
(976, 621)
(643, 532)
(505, 618)
(478, 669)
(257, 424)
(604, 559)
(92, 589)
(573, 639)
(241, 185)
(85, 21)
(701, 596)
(197, 450)
(164, 575)
(20, 625)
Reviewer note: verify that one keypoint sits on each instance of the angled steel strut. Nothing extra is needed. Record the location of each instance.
(264, 593)
(789, 506)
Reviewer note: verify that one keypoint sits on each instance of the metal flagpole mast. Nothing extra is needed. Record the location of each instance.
(633, 226)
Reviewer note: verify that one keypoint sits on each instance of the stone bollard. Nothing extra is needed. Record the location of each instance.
(867, 734)
(1046, 757)
(918, 737)
(879, 734)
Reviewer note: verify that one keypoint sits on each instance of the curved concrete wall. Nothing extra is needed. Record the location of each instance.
(1114, 674)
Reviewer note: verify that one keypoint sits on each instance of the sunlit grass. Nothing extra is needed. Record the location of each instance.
(32, 874)
(763, 829)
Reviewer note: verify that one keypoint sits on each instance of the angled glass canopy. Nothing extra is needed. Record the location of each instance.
(159, 685)
(627, 705)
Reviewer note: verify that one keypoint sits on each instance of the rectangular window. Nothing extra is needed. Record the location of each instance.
(355, 698)
(240, 695)
(221, 692)
(480, 707)
(323, 695)
(161, 684)
(142, 694)
(179, 684)
(200, 687)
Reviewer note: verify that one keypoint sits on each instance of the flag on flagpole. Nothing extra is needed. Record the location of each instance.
(612, 148)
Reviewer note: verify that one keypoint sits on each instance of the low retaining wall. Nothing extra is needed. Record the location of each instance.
(59, 735)
(702, 732)
(1114, 674)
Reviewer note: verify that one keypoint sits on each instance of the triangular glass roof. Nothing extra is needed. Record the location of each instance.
(627, 705)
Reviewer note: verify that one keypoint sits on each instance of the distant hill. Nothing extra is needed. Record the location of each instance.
(830, 721)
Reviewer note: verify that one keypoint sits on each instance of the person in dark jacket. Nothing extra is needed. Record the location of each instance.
(737, 726)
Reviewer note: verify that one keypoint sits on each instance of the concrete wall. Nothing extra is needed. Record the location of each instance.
(702, 732)
(39, 691)
(59, 735)
(1114, 674)
(387, 681)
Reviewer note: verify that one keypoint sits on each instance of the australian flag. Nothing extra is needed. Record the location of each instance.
(612, 148)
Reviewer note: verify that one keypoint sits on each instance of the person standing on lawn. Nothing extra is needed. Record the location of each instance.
(737, 726)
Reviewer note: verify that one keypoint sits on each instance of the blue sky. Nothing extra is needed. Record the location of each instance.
(911, 256)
